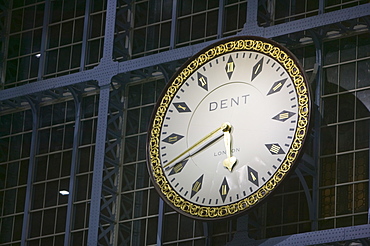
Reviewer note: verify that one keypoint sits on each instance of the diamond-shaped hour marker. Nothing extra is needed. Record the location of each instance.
(178, 167)
(197, 185)
(202, 81)
(230, 66)
(257, 69)
(173, 138)
(253, 176)
(275, 149)
(283, 115)
(182, 107)
(224, 189)
(276, 87)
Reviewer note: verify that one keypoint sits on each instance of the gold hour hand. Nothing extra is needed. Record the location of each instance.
(201, 144)
(230, 161)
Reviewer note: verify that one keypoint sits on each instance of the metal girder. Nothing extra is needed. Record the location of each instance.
(251, 27)
(72, 182)
(31, 164)
(110, 184)
(105, 166)
(5, 18)
(351, 234)
(46, 95)
(97, 182)
(107, 68)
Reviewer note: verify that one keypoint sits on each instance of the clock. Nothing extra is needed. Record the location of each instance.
(228, 128)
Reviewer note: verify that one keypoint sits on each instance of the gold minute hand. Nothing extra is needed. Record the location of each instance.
(230, 160)
(222, 127)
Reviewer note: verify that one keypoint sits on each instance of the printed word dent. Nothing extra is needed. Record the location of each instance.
(228, 102)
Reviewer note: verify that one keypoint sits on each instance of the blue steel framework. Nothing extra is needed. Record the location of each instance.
(102, 227)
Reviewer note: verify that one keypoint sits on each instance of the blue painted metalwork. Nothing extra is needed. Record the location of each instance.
(317, 77)
(44, 36)
(220, 24)
(96, 188)
(5, 18)
(31, 164)
(85, 34)
(306, 23)
(160, 221)
(173, 24)
(319, 237)
(76, 141)
(107, 66)
(107, 69)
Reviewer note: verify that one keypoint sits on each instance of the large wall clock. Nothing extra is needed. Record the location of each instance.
(228, 128)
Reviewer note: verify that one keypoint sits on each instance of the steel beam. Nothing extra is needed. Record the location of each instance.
(44, 38)
(33, 149)
(72, 188)
(98, 202)
(351, 233)
(109, 68)
(97, 180)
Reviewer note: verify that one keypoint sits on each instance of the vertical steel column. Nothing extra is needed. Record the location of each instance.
(85, 35)
(321, 6)
(252, 12)
(104, 70)
(160, 221)
(4, 37)
(76, 142)
(317, 123)
(368, 198)
(173, 25)
(109, 34)
(31, 164)
(97, 181)
(220, 23)
(45, 28)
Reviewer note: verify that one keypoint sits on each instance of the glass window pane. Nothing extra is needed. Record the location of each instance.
(346, 107)
(363, 45)
(348, 48)
(361, 194)
(35, 222)
(132, 122)
(347, 75)
(345, 137)
(361, 165)
(184, 29)
(327, 202)
(48, 221)
(52, 193)
(16, 147)
(40, 168)
(38, 194)
(331, 52)
(328, 140)
(81, 187)
(363, 73)
(345, 168)
(10, 197)
(330, 80)
(56, 142)
(344, 200)
(362, 134)
(330, 109)
(61, 218)
(12, 174)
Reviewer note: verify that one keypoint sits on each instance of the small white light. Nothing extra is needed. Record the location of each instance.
(64, 192)
(38, 55)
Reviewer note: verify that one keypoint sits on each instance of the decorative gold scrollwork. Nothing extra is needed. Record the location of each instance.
(303, 99)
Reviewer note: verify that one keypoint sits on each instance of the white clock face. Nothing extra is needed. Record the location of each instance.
(258, 99)
(228, 130)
